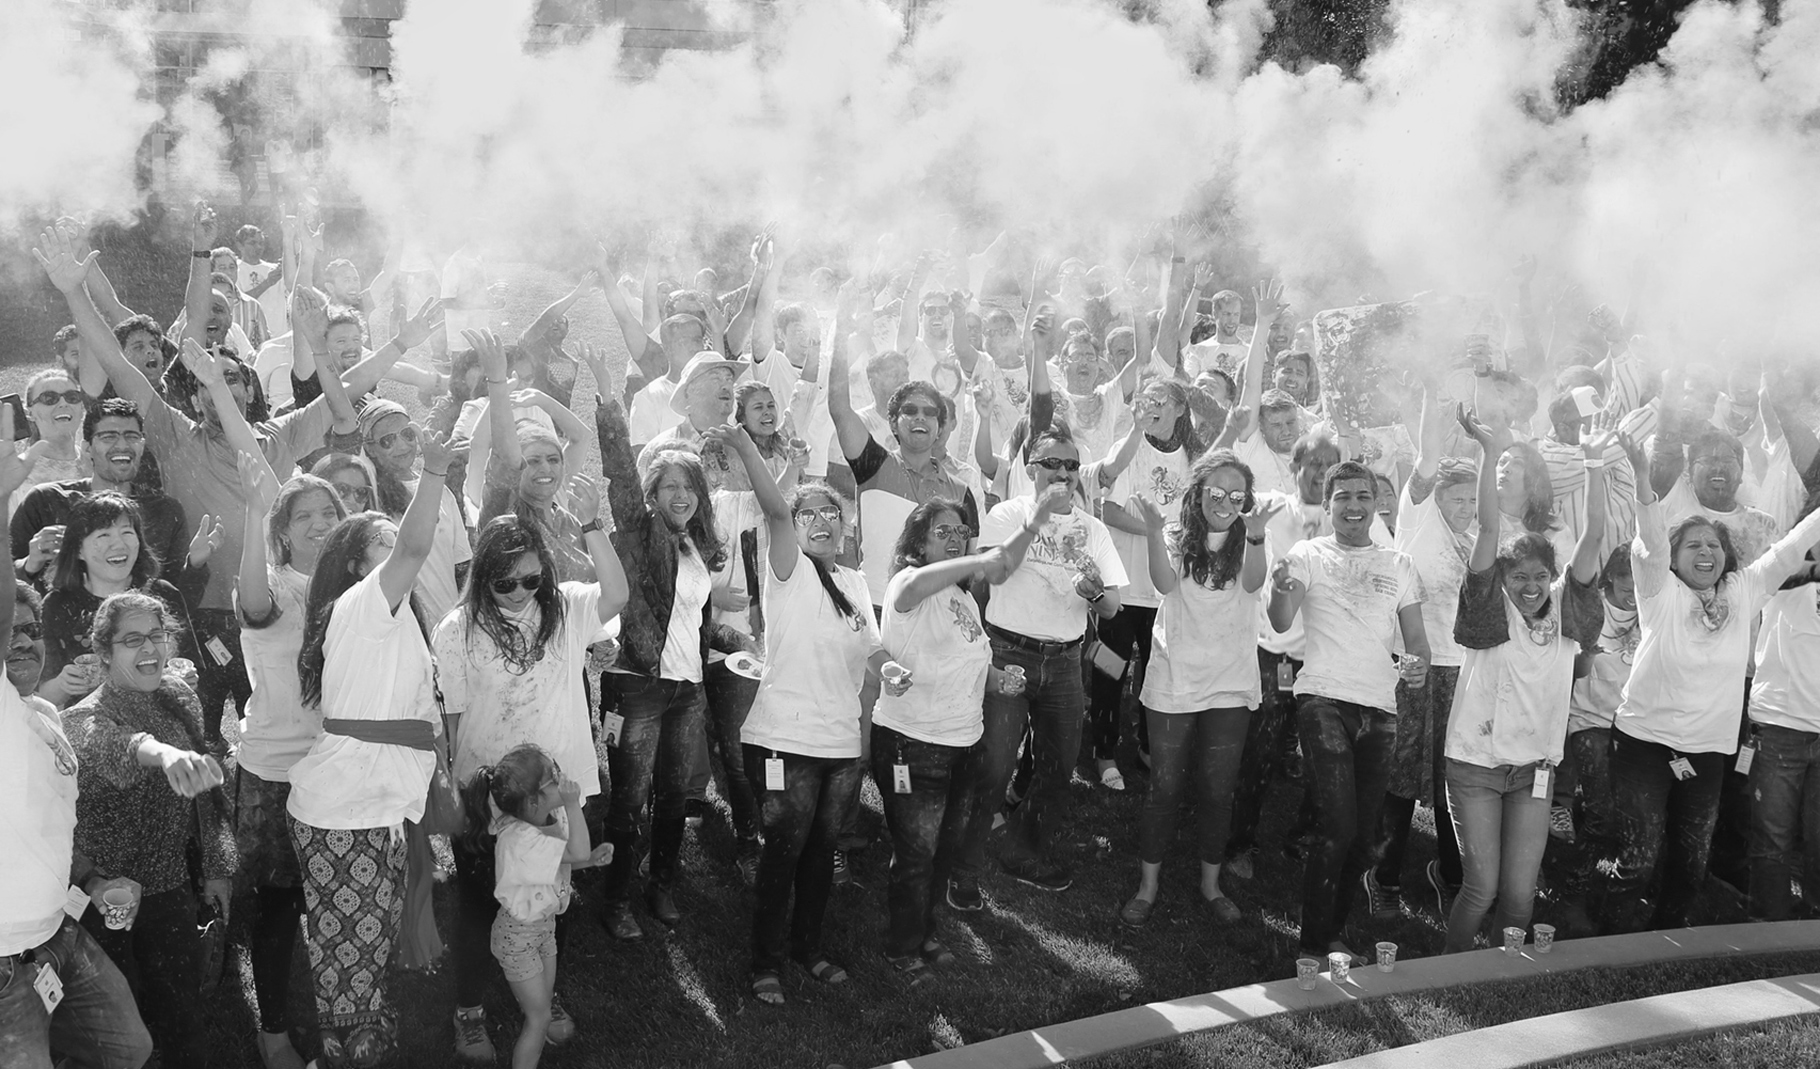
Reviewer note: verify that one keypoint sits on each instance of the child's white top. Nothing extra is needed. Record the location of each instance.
(531, 879)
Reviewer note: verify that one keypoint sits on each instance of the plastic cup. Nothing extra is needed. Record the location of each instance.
(1513, 941)
(1015, 684)
(1545, 938)
(1307, 971)
(1387, 957)
(894, 673)
(117, 907)
(1339, 965)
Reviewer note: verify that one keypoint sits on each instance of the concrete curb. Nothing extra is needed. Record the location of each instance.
(1159, 1022)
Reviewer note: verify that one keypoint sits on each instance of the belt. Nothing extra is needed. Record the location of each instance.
(33, 954)
(1034, 645)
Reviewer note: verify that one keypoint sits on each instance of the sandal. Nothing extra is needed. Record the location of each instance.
(767, 988)
(914, 970)
(936, 954)
(826, 971)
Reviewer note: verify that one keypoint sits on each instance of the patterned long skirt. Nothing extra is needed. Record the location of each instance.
(353, 889)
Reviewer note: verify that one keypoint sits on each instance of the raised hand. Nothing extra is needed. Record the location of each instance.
(202, 237)
(1280, 578)
(310, 317)
(258, 483)
(1604, 435)
(417, 329)
(202, 363)
(731, 436)
(1269, 297)
(1055, 500)
(570, 791)
(14, 467)
(1203, 278)
(492, 354)
(58, 257)
(1262, 509)
(1144, 509)
(44, 545)
(584, 497)
(208, 538)
(597, 365)
(438, 452)
(1494, 441)
(982, 392)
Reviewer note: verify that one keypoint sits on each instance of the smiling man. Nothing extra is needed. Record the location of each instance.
(704, 399)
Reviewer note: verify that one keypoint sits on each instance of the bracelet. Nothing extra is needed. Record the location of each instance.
(590, 526)
(1095, 599)
(438, 474)
(496, 382)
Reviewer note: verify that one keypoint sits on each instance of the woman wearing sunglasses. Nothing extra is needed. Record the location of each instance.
(146, 794)
(352, 477)
(55, 406)
(510, 660)
(802, 737)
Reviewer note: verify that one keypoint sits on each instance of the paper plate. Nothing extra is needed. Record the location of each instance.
(744, 664)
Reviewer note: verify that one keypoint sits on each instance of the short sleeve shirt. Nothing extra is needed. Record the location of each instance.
(1039, 600)
(1350, 614)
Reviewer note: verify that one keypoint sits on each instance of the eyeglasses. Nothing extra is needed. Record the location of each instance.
(351, 494)
(68, 397)
(31, 629)
(531, 583)
(948, 532)
(827, 513)
(1216, 496)
(384, 442)
(1057, 464)
(913, 411)
(135, 640)
(111, 438)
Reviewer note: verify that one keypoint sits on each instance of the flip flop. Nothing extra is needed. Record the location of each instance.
(767, 988)
(826, 971)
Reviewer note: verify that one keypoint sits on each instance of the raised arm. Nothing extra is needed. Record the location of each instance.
(260, 487)
(14, 468)
(417, 530)
(100, 288)
(533, 334)
(1586, 563)
(585, 494)
(57, 257)
(1286, 594)
(1162, 572)
(740, 326)
(197, 292)
(1428, 448)
(1649, 559)
(1005, 558)
(504, 436)
(361, 379)
(964, 353)
(1492, 444)
(981, 393)
(206, 366)
(764, 315)
(783, 552)
(640, 345)
(650, 302)
(1268, 296)
(907, 312)
(309, 335)
(625, 491)
(1181, 306)
(848, 427)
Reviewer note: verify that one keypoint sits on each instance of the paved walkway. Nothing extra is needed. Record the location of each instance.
(1159, 1022)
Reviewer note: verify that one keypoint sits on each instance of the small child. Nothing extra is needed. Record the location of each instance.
(534, 816)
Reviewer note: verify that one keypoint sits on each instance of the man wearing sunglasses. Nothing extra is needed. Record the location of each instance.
(1036, 621)
(60, 996)
(116, 451)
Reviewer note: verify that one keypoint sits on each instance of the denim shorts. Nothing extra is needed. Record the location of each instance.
(521, 948)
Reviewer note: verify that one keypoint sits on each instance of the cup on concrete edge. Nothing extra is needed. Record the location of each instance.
(1545, 938)
(1387, 957)
(1339, 965)
(1307, 971)
(1513, 940)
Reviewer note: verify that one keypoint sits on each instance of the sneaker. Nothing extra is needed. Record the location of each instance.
(998, 821)
(1111, 778)
(964, 895)
(1383, 902)
(1561, 823)
(471, 1041)
(748, 863)
(1240, 864)
(1443, 893)
(842, 874)
(561, 1028)
(1041, 875)
(695, 810)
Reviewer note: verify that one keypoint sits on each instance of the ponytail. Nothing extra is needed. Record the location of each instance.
(475, 804)
(842, 603)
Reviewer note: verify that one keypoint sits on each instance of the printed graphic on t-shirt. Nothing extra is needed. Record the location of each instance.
(1163, 485)
(1064, 549)
(963, 619)
(1353, 582)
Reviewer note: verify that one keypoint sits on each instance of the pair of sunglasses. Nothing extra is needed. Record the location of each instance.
(68, 397)
(531, 583)
(828, 513)
(1058, 464)
(408, 432)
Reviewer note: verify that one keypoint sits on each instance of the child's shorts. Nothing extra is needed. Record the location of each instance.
(521, 948)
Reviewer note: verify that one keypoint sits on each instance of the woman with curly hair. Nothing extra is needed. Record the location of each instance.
(1203, 679)
(511, 658)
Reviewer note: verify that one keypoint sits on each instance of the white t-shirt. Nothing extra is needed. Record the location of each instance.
(1201, 648)
(651, 414)
(682, 642)
(530, 877)
(1350, 615)
(1038, 600)
(1209, 355)
(1161, 478)
(37, 820)
(1096, 440)
(1010, 399)
(1271, 471)
(376, 666)
(273, 363)
(545, 704)
(1440, 555)
(279, 728)
(942, 642)
(1598, 693)
(808, 698)
(1752, 530)
(275, 301)
(1510, 706)
(436, 584)
(1786, 692)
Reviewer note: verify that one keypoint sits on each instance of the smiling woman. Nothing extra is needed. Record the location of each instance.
(55, 405)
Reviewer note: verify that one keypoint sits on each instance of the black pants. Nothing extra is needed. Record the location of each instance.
(272, 948)
(217, 683)
(1127, 633)
(1664, 829)
(729, 700)
(1393, 835)
(158, 956)
(801, 829)
(1270, 727)
(928, 827)
(1346, 763)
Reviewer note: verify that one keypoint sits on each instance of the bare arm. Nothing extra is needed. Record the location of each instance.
(364, 376)
(196, 293)
(504, 436)
(643, 348)
(1268, 296)
(584, 491)
(740, 326)
(56, 256)
(558, 308)
(206, 367)
(848, 427)
(1492, 443)
(417, 530)
(764, 316)
(783, 552)
(254, 594)
(907, 312)
(964, 353)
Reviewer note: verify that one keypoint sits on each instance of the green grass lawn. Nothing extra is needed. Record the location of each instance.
(1777, 1045)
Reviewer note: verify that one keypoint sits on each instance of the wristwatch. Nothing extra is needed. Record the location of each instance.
(1095, 599)
(591, 525)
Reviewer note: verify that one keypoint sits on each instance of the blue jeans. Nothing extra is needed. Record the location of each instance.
(664, 721)
(1662, 824)
(1502, 831)
(1053, 705)
(1201, 749)
(927, 826)
(96, 1026)
(1785, 795)
(1345, 766)
(801, 828)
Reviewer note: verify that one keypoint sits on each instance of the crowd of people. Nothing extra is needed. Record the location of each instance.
(1555, 590)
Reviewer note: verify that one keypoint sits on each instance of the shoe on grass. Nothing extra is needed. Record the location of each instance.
(620, 924)
(1135, 912)
(1040, 875)
(1383, 901)
(1111, 778)
(1241, 865)
(964, 895)
(472, 1044)
(1561, 823)
(562, 1027)
(842, 874)
(1223, 909)
(1443, 892)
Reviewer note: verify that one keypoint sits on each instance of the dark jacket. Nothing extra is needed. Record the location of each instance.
(647, 551)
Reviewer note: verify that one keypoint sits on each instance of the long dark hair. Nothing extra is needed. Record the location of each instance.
(1188, 537)
(508, 783)
(842, 603)
(496, 552)
(700, 528)
(280, 516)
(337, 570)
(1538, 489)
(1183, 435)
(915, 535)
(88, 515)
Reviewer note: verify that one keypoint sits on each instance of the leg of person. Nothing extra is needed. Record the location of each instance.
(96, 1026)
(164, 945)
(1274, 719)
(785, 817)
(1327, 729)
(681, 733)
(1171, 738)
(1005, 720)
(914, 818)
(1693, 813)
(1058, 708)
(1640, 785)
(1377, 733)
(1729, 855)
(1447, 872)
(1561, 800)
(268, 862)
(1219, 745)
(1778, 776)
(853, 834)
(354, 891)
(1144, 625)
(1384, 882)
(1573, 866)
(957, 816)
(1412, 765)
(631, 766)
(729, 698)
(518, 948)
(1106, 691)
(1525, 827)
(1810, 829)
(220, 668)
(469, 950)
(1475, 802)
(838, 781)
